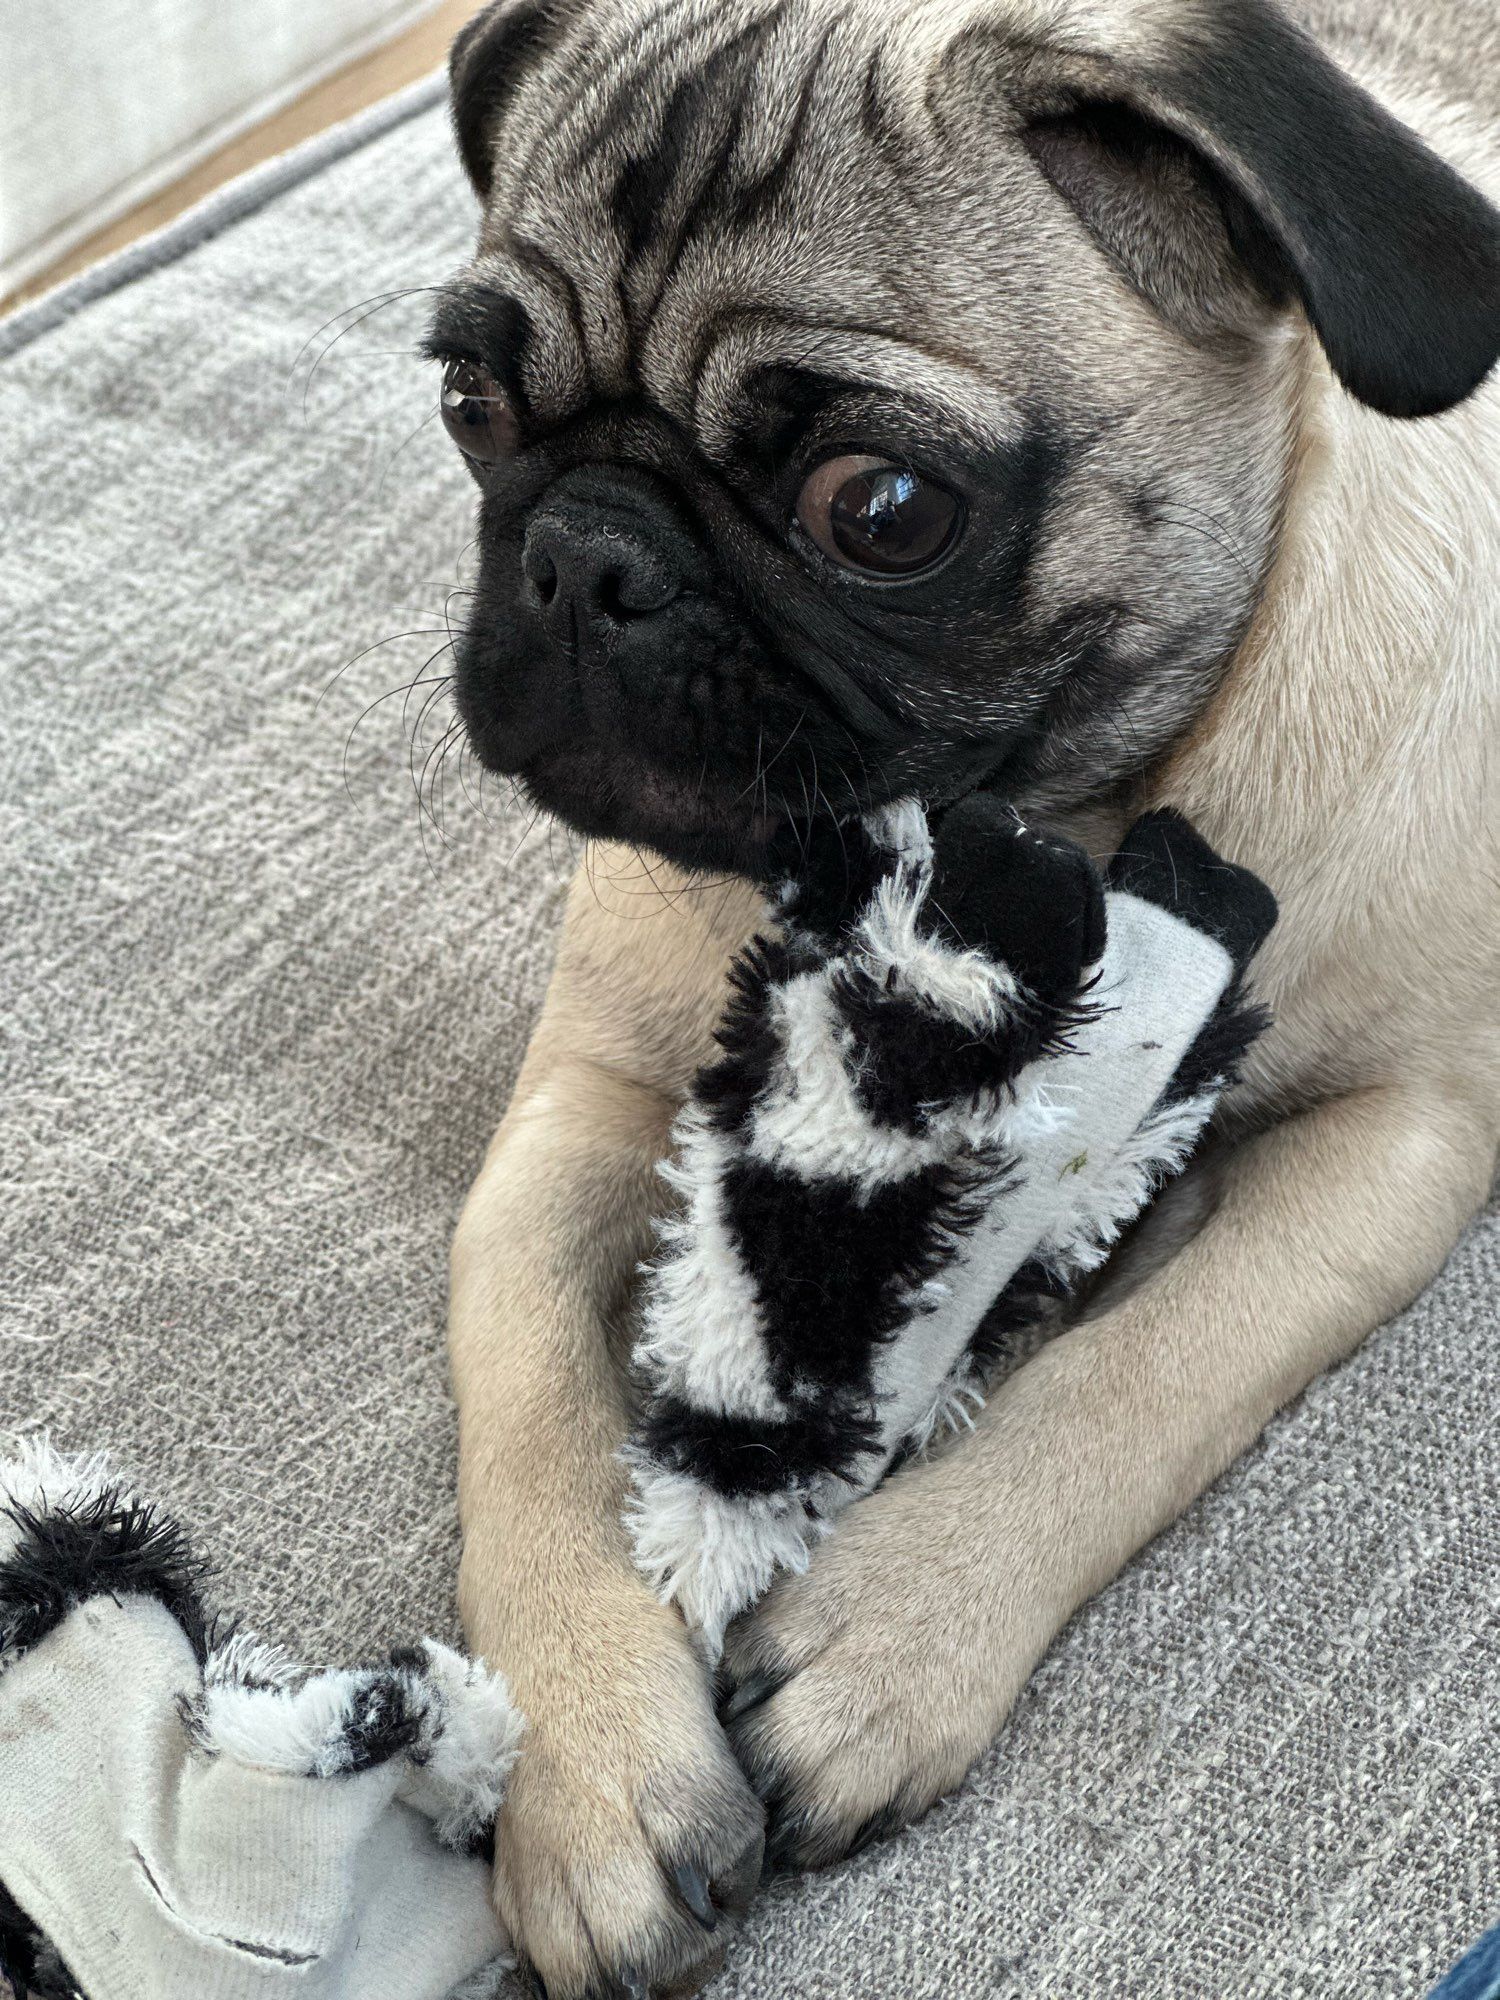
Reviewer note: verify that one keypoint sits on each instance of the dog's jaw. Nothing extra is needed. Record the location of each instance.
(618, 794)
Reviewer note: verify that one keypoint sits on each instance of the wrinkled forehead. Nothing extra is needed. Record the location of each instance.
(688, 191)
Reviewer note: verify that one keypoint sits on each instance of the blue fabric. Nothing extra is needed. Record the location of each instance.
(1476, 1975)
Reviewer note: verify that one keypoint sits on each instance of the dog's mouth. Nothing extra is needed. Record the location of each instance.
(702, 822)
(717, 821)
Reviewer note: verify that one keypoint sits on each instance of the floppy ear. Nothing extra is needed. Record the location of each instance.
(485, 64)
(1317, 190)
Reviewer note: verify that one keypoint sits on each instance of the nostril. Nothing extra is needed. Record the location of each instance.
(541, 574)
(596, 571)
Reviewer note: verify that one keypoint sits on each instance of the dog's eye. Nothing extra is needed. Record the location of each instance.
(882, 519)
(475, 413)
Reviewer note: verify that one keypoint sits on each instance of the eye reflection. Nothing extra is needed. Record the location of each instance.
(476, 414)
(882, 519)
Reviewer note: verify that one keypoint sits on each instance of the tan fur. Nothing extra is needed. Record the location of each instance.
(1350, 757)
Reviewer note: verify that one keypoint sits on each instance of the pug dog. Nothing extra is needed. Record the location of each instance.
(1087, 399)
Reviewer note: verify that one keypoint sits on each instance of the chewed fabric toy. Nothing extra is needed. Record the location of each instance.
(965, 1063)
(185, 1813)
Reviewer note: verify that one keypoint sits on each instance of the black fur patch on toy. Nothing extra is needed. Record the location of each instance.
(107, 1546)
(744, 1457)
(1035, 1293)
(381, 1723)
(729, 1086)
(834, 1273)
(1029, 903)
(913, 1062)
(1216, 1056)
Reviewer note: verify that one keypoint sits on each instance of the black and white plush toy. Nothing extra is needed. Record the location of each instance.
(964, 1064)
(185, 1814)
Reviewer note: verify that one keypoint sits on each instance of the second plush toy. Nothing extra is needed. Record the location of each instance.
(963, 1065)
(187, 1814)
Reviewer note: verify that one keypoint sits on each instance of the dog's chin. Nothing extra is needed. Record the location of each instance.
(700, 823)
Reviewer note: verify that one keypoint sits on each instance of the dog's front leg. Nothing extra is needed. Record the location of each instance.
(868, 1686)
(629, 1834)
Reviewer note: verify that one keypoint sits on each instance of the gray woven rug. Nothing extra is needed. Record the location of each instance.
(256, 1032)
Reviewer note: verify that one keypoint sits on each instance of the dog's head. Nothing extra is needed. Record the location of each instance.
(870, 399)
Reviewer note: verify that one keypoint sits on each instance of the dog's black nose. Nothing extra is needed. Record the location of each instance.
(587, 572)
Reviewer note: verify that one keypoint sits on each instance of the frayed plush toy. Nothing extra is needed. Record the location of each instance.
(963, 1066)
(186, 1813)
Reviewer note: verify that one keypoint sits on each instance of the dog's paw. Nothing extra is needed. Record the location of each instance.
(1031, 902)
(629, 1844)
(859, 1693)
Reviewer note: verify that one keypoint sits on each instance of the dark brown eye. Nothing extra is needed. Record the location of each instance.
(882, 519)
(476, 414)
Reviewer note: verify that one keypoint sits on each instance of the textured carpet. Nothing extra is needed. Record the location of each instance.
(255, 1036)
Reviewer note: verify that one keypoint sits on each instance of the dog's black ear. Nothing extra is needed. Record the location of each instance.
(1231, 134)
(487, 60)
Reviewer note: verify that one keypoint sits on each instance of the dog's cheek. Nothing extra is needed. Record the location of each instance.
(509, 710)
(1093, 546)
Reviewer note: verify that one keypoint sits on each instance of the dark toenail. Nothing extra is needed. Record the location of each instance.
(784, 1845)
(634, 1983)
(692, 1886)
(736, 1882)
(750, 1693)
(879, 1826)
